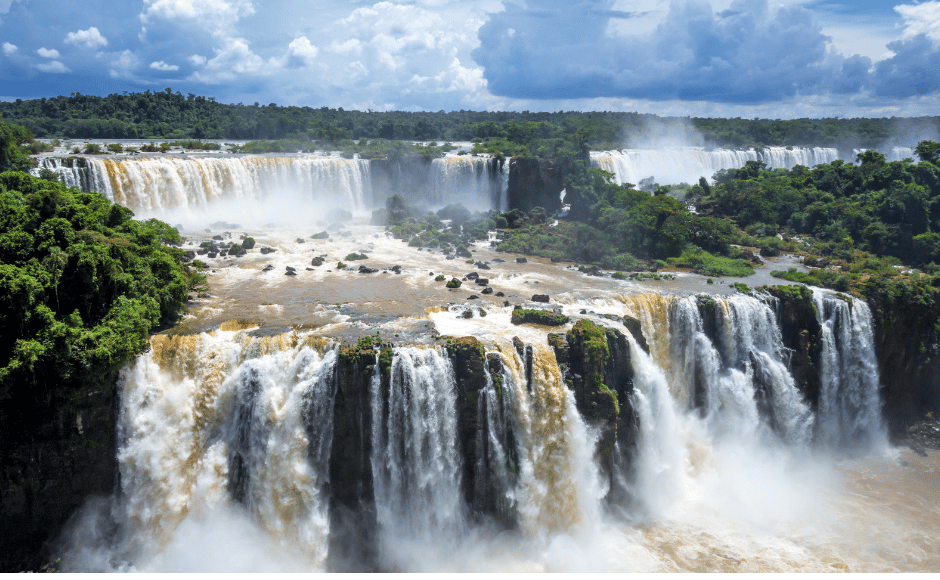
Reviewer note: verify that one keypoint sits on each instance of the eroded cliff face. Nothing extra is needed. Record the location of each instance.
(597, 367)
(535, 183)
(909, 359)
(70, 456)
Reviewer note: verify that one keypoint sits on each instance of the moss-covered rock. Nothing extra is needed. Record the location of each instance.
(469, 361)
(543, 317)
(802, 334)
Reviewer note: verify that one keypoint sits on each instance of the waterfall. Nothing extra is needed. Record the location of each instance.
(687, 165)
(559, 487)
(476, 182)
(159, 183)
(497, 455)
(849, 415)
(415, 459)
(211, 421)
(151, 185)
(725, 358)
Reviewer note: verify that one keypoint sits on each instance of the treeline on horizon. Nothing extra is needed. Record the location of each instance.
(169, 115)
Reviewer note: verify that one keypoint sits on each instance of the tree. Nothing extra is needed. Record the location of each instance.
(928, 151)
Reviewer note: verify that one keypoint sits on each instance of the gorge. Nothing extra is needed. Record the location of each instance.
(311, 417)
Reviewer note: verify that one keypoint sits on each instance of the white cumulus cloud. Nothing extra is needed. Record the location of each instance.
(301, 53)
(90, 38)
(9, 49)
(160, 65)
(231, 62)
(48, 52)
(216, 16)
(124, 66)
(921, 18)
(53, 67)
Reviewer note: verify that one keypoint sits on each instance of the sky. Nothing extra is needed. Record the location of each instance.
(706, 58)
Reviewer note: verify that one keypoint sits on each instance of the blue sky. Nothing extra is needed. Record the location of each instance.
(748, 58)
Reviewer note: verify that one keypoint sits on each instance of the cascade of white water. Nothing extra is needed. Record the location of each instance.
(212, 418)
(559, 487)
(70, 175)
(416, 465)
(849, 414)
(662, 455)
(496, 442)
(687, 165)
(468, 180)
(155, 184)
(735, 372)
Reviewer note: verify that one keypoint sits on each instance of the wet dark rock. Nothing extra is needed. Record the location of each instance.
(521, 260)
(217, 237)
(472, 276)
(481, 266)
(486, 290)
(498, 261)
(213, 254)
(318, 261)
(467, 314)
(324, 235)
(464, 253)
(473, 297)
(191, 254)
(636, 329)
(290, 273)
(451, 257)
(483, 281)
(267, 250)
(397, 269)
(500, 294)
(202, 251)
(540, 298)
(291, 269)
(367, 270)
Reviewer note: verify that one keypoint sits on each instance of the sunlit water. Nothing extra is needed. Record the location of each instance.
(241, 379)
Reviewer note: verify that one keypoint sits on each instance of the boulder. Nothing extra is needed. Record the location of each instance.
(324, 235)
(483, 281)
(540, 298)
(481, 266)
(521, 260)
(367, 270)
(487, 290)
(318, 261)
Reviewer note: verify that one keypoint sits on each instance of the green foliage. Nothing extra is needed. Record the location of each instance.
(453, 283)
(440, 278)
(92, 149)
(354, 256)
(532, 316)
(702, 262)
(248, 243)
(539, 134)
(81, 287)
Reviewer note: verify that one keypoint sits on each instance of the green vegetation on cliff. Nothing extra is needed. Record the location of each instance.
(81, 286)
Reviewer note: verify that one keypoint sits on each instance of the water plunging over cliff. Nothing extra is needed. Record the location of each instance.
(671, 166)
(154, 185)
(240, 449)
